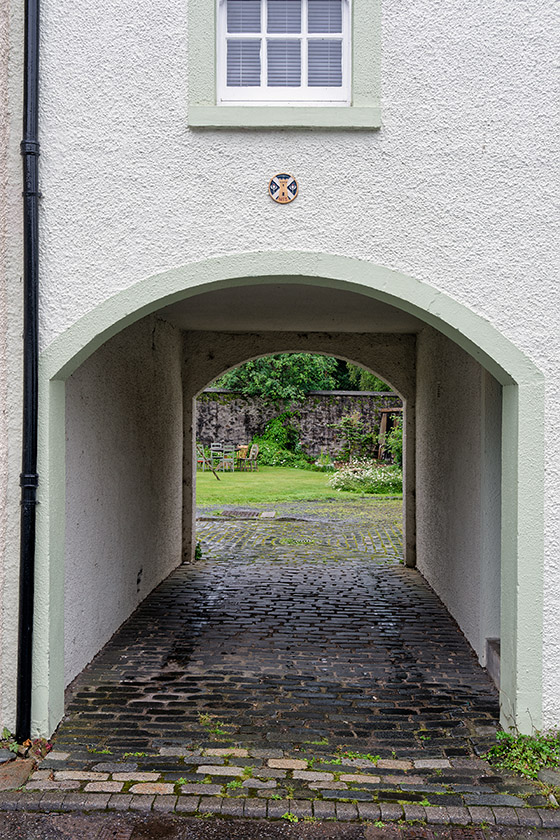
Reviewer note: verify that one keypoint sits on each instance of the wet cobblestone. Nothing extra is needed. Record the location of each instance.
(298, 662)
(284, 644)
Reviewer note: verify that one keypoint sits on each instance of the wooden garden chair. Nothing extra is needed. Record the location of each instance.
(242, 457)
(252, 457)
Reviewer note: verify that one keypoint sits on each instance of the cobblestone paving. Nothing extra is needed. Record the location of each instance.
(299, 531)
(297, 668)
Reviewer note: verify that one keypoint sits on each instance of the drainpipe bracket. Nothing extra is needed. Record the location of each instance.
(30, 147)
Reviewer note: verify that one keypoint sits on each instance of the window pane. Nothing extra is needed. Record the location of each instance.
(284, 16)
(325, 16)
(325, 63)
(243, 15)
(284, 63)
(244, 63)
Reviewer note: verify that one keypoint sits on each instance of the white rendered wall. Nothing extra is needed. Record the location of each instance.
(11, 214)
(458, 485)
(124, 474)
(455, 189)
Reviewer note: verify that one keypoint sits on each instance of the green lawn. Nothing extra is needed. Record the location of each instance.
(268, 484)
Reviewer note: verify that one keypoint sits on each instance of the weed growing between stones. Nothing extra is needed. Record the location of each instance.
(38, 748)
(342, 754)
(9, 742)
(526, 754)
(214, 728)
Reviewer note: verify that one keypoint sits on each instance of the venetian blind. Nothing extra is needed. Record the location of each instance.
(284, 43)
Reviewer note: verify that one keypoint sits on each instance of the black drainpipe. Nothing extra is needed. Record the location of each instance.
(29, 478)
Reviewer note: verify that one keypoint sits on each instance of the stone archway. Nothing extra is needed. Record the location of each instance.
(522, 489)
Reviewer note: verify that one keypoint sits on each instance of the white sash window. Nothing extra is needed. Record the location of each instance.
(290, 52)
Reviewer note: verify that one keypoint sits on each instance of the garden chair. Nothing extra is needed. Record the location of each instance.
(228, 458)
(216, 454)
(242, 457)
(252, 457)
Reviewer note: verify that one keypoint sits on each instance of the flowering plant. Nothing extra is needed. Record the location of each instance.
(368, 476)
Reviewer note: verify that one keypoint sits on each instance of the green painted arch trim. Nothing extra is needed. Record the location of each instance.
(473, 333)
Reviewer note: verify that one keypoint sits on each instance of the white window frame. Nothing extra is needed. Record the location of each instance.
(302, 95)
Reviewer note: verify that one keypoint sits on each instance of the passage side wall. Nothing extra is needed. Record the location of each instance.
(458, 485)
(124, 475)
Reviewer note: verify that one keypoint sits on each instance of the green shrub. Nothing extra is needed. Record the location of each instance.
(357, 441)
(272, 455)
(279, 444)
(324, 462)
(368, 476)
(282, 431)
(394, 442)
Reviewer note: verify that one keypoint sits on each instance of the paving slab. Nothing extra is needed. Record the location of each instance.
(13, 774)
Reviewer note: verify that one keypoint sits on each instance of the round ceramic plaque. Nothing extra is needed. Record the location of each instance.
(283, 188)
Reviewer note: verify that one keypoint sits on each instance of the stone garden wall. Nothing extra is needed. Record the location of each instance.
(230, 417)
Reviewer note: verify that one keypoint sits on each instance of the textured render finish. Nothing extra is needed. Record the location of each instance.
(490, 420)
(466, 89)
(455, 190)
(458, 485)
(11, 53)
(123, 464)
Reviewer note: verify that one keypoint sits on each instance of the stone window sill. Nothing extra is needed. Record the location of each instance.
(267, 116)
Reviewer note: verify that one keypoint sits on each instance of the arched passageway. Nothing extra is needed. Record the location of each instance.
(451, 340)
(392, 356)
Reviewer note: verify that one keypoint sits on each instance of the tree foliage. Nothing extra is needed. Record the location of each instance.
(290, 376)
(284, 376)
(363, 380)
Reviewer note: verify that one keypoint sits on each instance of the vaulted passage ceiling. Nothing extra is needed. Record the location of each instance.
(288, 306)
